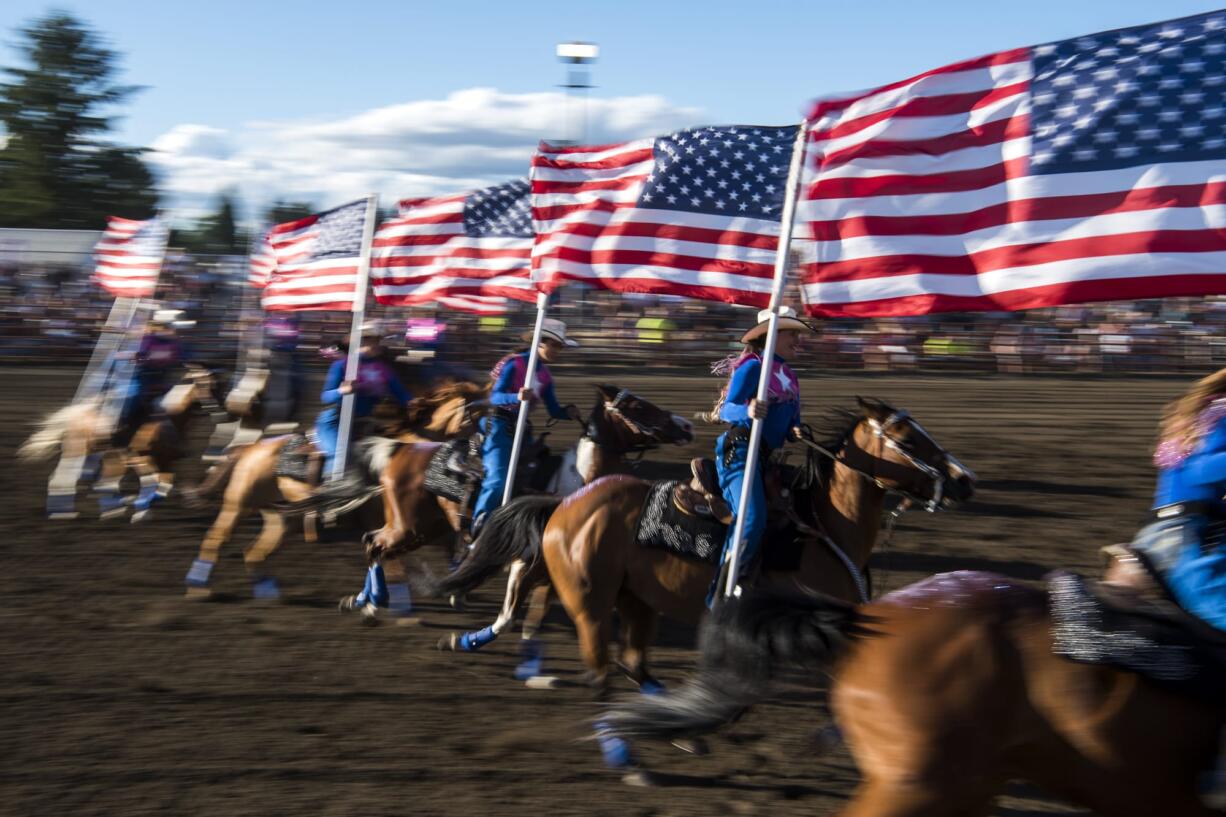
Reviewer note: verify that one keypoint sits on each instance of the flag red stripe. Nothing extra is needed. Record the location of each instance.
(946, 105)
(985, 135)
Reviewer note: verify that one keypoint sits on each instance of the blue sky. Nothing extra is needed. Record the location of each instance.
(231, 85)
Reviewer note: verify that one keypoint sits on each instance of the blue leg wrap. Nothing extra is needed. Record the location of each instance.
(616, 751)
(471, 642)
(652, 687)
(199, 574)
(110, 502)
(91, 468)
(534, 657)
(61, 504)
(398, 599)
(266, 588)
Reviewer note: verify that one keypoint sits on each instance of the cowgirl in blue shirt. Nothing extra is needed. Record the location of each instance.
(509, 376)
(1191, 460)
(780, 416)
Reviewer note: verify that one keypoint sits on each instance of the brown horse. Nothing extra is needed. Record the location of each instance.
(619, 424)
(596, 564)
(82, 435)
(251, 483)
(946, 690)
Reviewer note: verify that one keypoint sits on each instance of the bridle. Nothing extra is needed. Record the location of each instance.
(615, 409)
(881, 430)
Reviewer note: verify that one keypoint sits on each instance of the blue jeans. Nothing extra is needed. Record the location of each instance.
(731, 478)
(327, 429)
(496, 460)
(1194, 573)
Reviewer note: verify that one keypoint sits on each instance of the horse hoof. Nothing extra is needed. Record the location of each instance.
(348, 604)
(266, 589)
(693, 746)
(114, 513)
(370, 615)
(198, 593)
(62, 516)
(448, 643)
(542, 682)
(141, 516)
(456, 603)
(639, 779)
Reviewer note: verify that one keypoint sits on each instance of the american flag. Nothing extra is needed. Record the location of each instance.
(317, 260)
(469, 252)
(263, 261)
(694, 213)
(1085, 169)
(128, 257)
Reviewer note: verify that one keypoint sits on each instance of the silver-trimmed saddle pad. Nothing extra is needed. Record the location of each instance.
(663, 526)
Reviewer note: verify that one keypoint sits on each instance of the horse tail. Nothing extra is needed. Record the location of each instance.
(511, 532)
(197, 496)
(45, 441)
(744, 643)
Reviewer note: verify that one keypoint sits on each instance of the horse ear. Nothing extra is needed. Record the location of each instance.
(607, 391)
(872, 407)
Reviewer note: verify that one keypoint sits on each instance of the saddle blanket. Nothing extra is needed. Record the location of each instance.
(663, 526)
(293, 461)
(1091, 625)
(448, 474)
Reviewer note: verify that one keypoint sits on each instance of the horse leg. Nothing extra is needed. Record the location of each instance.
(62, 486)
(538, 606)
(475, 640)
(263, 585)
(638, 631)
(399, 600)
(110, 503)
(146, 471)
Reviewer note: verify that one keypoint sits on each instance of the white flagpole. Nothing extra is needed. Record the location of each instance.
(116, 326)
(355, 338)
(521, 423)
(768, 354)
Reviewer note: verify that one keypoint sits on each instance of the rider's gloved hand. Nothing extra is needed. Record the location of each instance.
(572, 411)
(758, 409)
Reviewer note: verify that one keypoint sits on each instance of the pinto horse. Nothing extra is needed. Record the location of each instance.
(250, 482)
(947, 689)
(596, 565)
(620, 423)
(81, 434)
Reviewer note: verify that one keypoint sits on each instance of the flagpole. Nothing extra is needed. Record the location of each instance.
(355, 338)
(115, 327)
(521, 422)
(768, 354)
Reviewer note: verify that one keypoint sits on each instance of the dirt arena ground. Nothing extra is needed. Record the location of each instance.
(119, 697)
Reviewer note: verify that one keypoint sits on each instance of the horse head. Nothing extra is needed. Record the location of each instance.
(448, 411)
(634, 422)
(891, 449)
(901, 456)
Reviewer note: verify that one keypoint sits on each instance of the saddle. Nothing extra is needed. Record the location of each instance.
(299, 459)
(701, 497)
(1130, 622)
(455, 469)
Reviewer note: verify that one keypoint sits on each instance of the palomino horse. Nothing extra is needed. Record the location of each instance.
(82, 434)
(620, 423)
(596, 564)
(946, 690)
(251, 483)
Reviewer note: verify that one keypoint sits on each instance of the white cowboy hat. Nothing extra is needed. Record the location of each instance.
(788, 322)
(553, 329)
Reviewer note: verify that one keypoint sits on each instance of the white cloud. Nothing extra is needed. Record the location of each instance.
(472, 138)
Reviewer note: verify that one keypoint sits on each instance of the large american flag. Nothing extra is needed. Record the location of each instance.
(469, 252)
(694, 213)
(1086, 169)
(263, 261)
(128, 256)
(317, 260)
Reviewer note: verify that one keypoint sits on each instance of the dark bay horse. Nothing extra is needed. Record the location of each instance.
(946, 690)
(620, 423)
(596, 565)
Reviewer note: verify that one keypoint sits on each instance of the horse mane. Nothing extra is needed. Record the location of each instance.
(421, 409)
(833, 431)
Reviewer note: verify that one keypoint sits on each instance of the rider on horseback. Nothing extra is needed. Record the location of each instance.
(739, 407)
(1191, 458)
(508, 390)
(375, 381)
(160, 352)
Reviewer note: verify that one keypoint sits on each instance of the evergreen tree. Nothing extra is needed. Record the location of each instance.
(57, 168)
